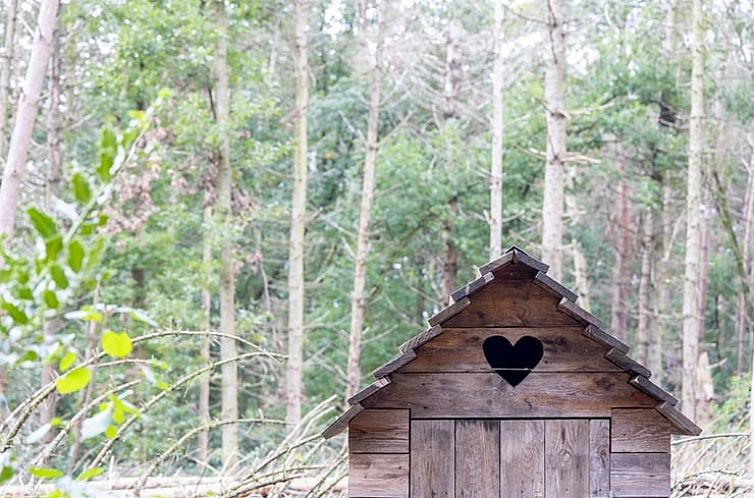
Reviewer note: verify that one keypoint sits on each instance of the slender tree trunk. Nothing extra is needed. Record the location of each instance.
(580, 267)
(552, 206)
(498, 128)
(204, 415)
(693, 216)
(26, 115)
(451, 93)
(52, 325)
(742, 318)
(358, 300)
(8, 52)
(294, 386)
(645, 349)
(228, 347)
(705, 392)
(619, 311)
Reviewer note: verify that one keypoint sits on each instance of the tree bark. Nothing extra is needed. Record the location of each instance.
(358, 300)
(552, 206)
(742, 318)
(621, 225)
(693, 216)
(498, 129)
(8, 51)
(228, 347)
(645, 350)
(298, 223)
(26, 115)
(204, 414)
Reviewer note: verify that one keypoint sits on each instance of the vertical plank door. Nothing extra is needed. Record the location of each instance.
(477, 458)
(522, 459)
(432, 459)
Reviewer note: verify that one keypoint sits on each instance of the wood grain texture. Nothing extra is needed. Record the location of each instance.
(432, 459)
(378, 476)
(598, 335)
(640, 474)
(567, 458)
(449, 312)
(477, 458)
(640, 431)
(394, 364)
(626, 363)
(653, 390)
(681, 423)
(554, 287)
(599, 457)
(341, 422)
(379, 431)
(460, 350)
(522, 459)
(486, 395)
(578, 313)
(421, 338)
(472, 286)
(368, 390)
(506, 303)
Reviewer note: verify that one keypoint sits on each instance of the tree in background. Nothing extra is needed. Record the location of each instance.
(498, 128)
(8, 52)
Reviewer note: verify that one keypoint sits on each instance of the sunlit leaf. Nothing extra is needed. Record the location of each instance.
(116, 344)
(46, 472)
(67, 361)
(58, 276)
(18, 315)
(53, 246)
(74, 380)
(6, 473)
(75, 255)
(111, 432)
(90, 473)
(87, 314)
(81, 189)
(43, 224)
(50, 299)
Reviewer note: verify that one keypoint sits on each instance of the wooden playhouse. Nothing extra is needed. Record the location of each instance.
(513, 392)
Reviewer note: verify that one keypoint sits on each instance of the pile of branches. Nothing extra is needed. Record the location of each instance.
(714, 485)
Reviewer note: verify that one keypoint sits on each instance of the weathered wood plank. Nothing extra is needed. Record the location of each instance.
(599, 457)
(477, 458)
(652, 390)
(449, 312)
(567, 458)
(511, 304)
(432, 459)
(369, 390)
(394, 364)
(640, 430)
(421, 339)
(522, 459)
(598, 335)
(460, 350)
(487, 395)
(626, 363)
(681, 423)
(472, 286)
(578, 313)
(378, 476)
(640, 474)
(341, 422)
(379, 431)
(554, 287)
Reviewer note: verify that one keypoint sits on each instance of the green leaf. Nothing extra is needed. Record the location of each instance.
(43, 224)
(75, 255)
(111, 432)
(18, 315)
(81, 189)
(86, 313)
(90, 473)
(67, 361)
(73, 381)
(24, 293)
(46, 472)
(50, 299)
(108, 149)
(96, 251)
(6, 473)
(53, 246)
(58, 276)
(116, 344)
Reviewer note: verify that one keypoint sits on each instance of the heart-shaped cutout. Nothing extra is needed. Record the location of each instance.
(513, 362)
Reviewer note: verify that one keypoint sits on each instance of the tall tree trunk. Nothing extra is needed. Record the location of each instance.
(228, 347)
(52, 325)
(294, 386)
(705, 392)
(747, 217)
(451, 93)
(693, 215)
(358, 300)
(204, 415)
(622, 227)
(498, 128)
(8, 52)
(552, 206)
(26, 116)
(645, 282)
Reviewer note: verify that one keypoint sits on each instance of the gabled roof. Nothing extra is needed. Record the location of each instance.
(517, 264)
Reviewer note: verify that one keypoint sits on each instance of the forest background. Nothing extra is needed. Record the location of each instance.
(219, 215)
